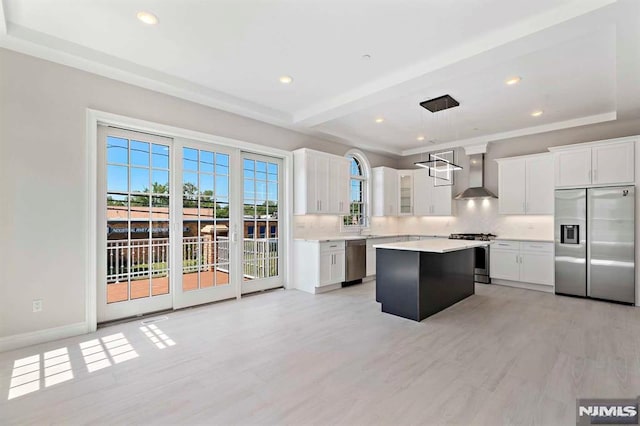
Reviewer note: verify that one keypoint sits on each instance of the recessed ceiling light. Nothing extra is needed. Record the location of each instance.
(379, 120)
(366, 57)
(536, 113)
(513, 80)
(147, 18)
(420, 138)
(286, 79)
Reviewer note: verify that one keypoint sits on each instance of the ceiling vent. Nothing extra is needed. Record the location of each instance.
(440, 103)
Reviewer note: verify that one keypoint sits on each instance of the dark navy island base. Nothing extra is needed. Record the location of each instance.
(417, 284)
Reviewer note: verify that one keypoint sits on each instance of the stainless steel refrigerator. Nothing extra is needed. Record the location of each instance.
(595, 243)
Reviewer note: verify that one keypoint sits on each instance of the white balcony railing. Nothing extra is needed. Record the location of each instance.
(137, 259)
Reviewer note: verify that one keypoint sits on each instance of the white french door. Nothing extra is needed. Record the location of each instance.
(262, 241)
(134, 208)
(184, 223)
(206, 223)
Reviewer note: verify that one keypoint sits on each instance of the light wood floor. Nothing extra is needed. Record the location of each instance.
(503, 356)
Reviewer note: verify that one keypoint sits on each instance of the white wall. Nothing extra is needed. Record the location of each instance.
(43, 171)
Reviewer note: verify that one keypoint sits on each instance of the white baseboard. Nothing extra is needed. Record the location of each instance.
(527, 286)
(34, 337)
(326, 288)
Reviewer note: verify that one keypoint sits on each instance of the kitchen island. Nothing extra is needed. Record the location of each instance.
(416, 279)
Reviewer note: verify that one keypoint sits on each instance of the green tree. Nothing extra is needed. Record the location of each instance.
(190, 194)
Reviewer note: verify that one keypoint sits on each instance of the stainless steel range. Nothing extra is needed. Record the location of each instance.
(481, 271)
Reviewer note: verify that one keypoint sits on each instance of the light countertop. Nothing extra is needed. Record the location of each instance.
(364, 237)
(436, 245)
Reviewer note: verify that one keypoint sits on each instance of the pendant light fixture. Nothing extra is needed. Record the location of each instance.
(437, 164)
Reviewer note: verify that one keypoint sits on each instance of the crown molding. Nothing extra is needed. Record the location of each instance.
(497, 137)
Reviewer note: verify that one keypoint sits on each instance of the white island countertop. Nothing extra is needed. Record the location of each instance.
(439, 245)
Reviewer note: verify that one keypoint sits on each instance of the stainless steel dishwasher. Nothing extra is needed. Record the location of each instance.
(356, 261)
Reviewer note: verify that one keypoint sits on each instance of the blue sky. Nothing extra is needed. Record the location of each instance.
(212, 170)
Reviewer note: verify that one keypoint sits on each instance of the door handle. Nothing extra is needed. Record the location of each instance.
(517, 259)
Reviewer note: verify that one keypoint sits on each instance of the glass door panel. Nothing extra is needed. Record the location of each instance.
(205, 252)
(137, 215)
(261, 242)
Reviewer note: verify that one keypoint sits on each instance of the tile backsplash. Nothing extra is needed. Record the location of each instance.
(310, 226)
(470, 216)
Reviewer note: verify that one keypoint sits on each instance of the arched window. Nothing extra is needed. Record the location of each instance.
(358, 190)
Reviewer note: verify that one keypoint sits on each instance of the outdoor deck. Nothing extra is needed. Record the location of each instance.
(117, 292)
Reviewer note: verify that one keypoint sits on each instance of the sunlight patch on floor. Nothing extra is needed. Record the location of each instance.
(157, 336)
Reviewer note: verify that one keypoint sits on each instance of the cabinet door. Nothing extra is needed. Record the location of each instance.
(337, 270)
(573, 167)
(326, 266)
(322, 183)
(537, 268)
(539, 185)
(371, 261)
(613, 163)
(405, 192)
(391, 192)
(441, 202)
(311, 172)
(504, 264)
(339, 184)
(422, 192)
(511, 187)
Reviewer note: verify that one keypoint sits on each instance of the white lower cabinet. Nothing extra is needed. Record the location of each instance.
(371, 251)
(522, 261)
(318, 265)
(331, 263)
(504, 260)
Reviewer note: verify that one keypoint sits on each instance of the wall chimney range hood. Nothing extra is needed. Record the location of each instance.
(476, 188)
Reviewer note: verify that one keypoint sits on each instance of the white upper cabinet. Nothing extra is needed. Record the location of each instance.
(385, 186)
(339, 178)
(595, 163)
(539, 185)
(430, 200)
(573, 168)
(511, 187)
(613, 163)
(321, 183)
(525, 184)
(405, 180)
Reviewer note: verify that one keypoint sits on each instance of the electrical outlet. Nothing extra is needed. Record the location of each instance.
(37, 305)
